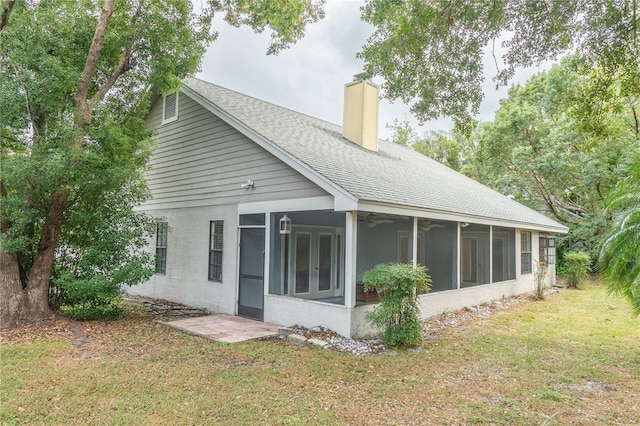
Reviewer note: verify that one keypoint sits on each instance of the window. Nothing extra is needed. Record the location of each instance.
(525, 252)
(215, 250)
(170, 108)
(547, 249)
(162, 229)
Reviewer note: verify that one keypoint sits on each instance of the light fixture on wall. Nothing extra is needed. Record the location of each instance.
(464, 224)
(248, 185)
(285, 225)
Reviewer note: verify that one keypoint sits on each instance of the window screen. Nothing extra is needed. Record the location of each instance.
(215, 250)
(525, 252)
(161, 247)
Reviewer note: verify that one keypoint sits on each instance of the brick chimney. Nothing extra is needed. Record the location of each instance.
(360, 122)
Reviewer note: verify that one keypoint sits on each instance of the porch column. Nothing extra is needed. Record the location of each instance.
(414, 248)
(458, 257)
(350, 252)
(490, 254)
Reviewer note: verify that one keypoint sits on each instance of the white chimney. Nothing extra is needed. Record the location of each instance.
(360, 123)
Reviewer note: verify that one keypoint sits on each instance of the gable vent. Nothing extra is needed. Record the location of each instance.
(170, 110)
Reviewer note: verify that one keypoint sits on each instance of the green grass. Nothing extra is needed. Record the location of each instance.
(571, 359)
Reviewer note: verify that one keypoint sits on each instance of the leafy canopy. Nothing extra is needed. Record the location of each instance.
(430, 53)
(544, 148)
(74, 93)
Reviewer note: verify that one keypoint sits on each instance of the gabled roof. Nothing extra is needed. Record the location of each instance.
(395, 175)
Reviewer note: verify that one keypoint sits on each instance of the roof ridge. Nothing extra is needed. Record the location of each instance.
(267, 102)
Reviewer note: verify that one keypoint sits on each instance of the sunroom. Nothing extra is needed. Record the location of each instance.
(315, 261)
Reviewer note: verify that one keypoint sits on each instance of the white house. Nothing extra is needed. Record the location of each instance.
(271, 214)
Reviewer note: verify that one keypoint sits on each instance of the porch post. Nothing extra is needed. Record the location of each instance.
(490, 254)
(267, 252)
(415, 242)
(350, 252)
(459, 257)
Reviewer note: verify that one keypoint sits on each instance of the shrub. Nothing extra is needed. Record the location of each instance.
(92, 299)
(577, 266)
(397, 313)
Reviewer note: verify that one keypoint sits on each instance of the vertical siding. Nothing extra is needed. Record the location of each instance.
(200, 160)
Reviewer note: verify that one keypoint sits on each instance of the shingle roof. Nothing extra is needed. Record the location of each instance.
(395, 174)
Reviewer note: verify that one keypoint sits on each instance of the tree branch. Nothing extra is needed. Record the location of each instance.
(80, 97)
(121, 68)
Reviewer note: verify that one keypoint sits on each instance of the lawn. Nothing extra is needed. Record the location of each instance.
(573, 358)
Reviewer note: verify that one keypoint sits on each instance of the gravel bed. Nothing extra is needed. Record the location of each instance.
(432, 327)
(337, 342)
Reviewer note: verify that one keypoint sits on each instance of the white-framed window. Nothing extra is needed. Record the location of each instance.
(525, 252)
(162, 231)
(547, 249)
(216, 230)
(170, 108)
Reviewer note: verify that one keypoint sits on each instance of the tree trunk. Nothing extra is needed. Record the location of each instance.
(12, 295)
(28, 305)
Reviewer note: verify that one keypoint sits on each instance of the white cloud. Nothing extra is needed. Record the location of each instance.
(309, 77)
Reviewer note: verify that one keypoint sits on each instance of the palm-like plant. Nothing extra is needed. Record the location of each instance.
(620, 253)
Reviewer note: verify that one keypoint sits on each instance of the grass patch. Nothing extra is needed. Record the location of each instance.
(571, 359)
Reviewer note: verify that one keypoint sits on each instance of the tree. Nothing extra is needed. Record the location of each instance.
(620, 253)
(430, 53)
(544, 149)
(74, 79)
(436, 145)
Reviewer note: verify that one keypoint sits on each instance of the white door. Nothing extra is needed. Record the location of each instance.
(313, 262)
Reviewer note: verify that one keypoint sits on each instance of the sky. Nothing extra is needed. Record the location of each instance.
(309, 77)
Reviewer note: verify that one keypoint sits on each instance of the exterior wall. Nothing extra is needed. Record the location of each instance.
(196, 174)
(186, 280)
(290, 311)
(200, 160)
(436, 303)
(432, 304)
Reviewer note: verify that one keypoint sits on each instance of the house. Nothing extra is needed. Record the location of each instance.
(271, 214)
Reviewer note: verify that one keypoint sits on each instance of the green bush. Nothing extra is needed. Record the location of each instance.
(96, 298)
(397, 313)
(577, 265)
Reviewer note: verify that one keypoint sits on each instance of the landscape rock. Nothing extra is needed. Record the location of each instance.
(297, 339)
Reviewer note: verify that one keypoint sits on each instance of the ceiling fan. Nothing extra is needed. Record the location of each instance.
(427, 226)
(372, 220)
